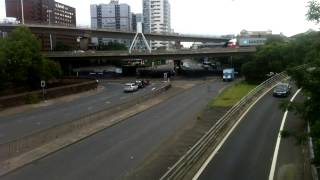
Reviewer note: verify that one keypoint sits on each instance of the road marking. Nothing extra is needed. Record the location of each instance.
(227, 136)
(276, 150)
(108, 102)
(122, 98)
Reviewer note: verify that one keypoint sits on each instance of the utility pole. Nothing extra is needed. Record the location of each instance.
(49, 13)
(22, 12)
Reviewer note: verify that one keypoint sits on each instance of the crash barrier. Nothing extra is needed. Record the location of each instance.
(216, 133)
(314, 170)
(41, 137)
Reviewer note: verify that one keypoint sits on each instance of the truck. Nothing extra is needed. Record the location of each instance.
(228, 74)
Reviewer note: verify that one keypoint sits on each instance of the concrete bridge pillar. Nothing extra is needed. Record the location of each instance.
(84, 43)
(3, 34)
(178, 44)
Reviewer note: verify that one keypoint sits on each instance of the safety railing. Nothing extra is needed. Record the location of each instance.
(212, 138)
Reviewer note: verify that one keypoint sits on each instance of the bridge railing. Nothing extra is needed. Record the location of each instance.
(84, 27)
(212, 138)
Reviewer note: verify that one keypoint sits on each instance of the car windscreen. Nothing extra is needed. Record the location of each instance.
(281, 88)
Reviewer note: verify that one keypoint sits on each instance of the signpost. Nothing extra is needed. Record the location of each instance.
(43, 85)
(165, 76)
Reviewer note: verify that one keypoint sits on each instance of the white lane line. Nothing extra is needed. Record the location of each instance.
(203, 167)
(122, 98)
(276, 150)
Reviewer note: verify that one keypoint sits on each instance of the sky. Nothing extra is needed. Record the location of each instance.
(217, 17)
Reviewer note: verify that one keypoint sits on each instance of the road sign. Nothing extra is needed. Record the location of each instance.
(165, 76)
(43, 84)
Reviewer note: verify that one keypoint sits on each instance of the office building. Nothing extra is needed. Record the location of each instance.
(136, 18)
(47, 12)
(113, 16)
(134, 22)
(41, 12)
(245, 33)
(258, 38)
(156, 16)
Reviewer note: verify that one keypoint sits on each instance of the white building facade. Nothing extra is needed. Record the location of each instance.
(157, 19)
(112, 16)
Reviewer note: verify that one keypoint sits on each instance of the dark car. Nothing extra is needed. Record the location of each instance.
(140, 84)
(282, 90)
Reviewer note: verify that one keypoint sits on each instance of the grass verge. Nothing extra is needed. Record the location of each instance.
(231, 95)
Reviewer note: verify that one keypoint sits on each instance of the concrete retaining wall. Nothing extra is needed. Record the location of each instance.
(23, 98)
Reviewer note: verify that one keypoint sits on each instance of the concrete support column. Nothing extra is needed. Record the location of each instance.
(178, 44)
(84, 43)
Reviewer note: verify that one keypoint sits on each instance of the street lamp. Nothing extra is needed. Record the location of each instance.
(22, 12)
(49, 14)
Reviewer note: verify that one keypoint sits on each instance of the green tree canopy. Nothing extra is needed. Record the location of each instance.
(313, 13)
(21, 60)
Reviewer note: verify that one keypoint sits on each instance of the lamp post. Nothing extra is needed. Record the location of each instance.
(22, 11)
(49, 14)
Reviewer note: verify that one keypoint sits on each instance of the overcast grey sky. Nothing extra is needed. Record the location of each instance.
(216, 17)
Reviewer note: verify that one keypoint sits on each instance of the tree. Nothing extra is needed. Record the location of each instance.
(268, 58)
(313, 13)
(21, 60)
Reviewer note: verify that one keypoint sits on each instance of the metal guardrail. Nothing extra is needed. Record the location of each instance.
(313, 168)
(213, 136)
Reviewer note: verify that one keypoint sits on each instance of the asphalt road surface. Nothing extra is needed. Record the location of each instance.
(247, 153)
(113, 152)
(18, 125)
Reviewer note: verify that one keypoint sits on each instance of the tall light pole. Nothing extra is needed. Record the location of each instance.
(49, 13)
(22, 11)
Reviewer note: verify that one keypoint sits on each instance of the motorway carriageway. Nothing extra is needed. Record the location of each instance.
(24, 123)
(113, 152)
(247, 154)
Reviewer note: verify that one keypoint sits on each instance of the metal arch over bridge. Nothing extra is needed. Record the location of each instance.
(214, 52)
(87, 32)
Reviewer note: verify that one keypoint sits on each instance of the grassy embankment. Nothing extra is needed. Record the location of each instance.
(231, 95)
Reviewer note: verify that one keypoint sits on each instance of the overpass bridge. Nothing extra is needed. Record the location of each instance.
(112, 55)
(88, 33)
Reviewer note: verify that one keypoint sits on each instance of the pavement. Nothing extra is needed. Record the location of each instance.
(13, 126)
(247, 153)
(113, 152)
(293, 162)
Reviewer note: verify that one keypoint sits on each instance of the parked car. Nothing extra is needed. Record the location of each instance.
(282, 90)
(130, 87)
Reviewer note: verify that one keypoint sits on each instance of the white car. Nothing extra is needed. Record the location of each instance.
(130, 87)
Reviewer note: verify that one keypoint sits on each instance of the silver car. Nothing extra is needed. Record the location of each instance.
(130, 87)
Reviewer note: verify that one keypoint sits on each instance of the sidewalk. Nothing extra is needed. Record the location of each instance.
(293, 161)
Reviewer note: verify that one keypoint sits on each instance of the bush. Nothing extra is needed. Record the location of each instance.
(32, 98)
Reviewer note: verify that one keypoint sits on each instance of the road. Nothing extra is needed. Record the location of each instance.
(112, 153)
(247, 153)
(293, 161)
(24, 123)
